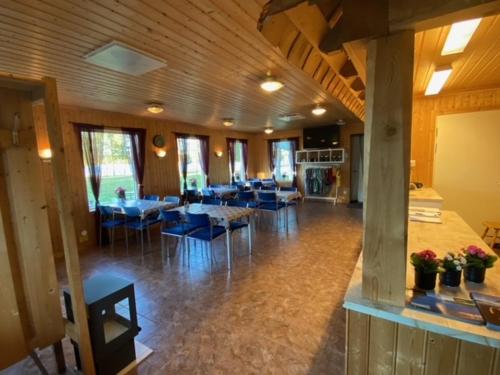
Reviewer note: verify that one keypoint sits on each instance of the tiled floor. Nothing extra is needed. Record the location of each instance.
(278, 311)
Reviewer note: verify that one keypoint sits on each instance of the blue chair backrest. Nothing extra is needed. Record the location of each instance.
(170, 216)
(256, 184)
(201, 220)
(132, 211)
(236, 203)
(206, 200)
(246, 196)
(152, 197)
(207, 192)
(172, 199)
(267, 196)
(268, 187)
(288, 188)
(105, 210)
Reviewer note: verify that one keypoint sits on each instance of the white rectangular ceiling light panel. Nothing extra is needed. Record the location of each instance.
(124, 59)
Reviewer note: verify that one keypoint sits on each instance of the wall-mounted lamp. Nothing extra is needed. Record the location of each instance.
(45, 154)
(161, 153)
(218, 154)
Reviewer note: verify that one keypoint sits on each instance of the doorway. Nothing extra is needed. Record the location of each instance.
(466, 160)
(357, 152)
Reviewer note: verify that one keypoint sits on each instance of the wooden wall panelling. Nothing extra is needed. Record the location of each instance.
(358, 337)
(377, 346)
(12, 343)
(410, 350)
(34, 246)
(425, 111)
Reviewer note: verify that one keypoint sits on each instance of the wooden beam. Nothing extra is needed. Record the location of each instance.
(356, 51)
(275, 7)
(360, 19)
(348, 70)
(357, 84)
(66, 218)
(427, 14)
(387, 160)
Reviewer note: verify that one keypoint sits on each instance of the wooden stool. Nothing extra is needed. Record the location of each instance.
(491, 225)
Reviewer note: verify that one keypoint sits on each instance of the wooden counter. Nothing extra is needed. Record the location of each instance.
(408, 340)
(426, 197)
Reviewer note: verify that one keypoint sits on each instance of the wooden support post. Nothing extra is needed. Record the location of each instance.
(387, 160)
(66, 218)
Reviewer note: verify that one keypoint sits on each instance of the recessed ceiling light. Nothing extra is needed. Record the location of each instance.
(459, 36)
(268, 130)
(271, 84)
(228, 121)
(437, 81)
(155, 108)
(318, 110)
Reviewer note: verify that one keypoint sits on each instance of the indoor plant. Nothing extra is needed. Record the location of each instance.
(452, 265)
(426, 268)
(477, 262)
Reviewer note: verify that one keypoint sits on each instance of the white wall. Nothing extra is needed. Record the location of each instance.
(467, 165)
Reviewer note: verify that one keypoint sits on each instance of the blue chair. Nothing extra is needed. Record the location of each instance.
(172, 225)
(152, 197)
(268, 187)
(107, 220)
(249, 197)
(288, 188)
(212, 201)
(206, 192)
(268, 202)
(206, 232)
(256, 185)
(191, 195)
(136, 221)
(172, 199)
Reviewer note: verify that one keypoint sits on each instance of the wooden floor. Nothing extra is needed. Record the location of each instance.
(278, 312)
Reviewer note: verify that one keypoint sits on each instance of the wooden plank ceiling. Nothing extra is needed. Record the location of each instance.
(216, 58)
(476, 68)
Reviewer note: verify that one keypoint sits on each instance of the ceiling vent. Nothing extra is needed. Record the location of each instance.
(124, 59)
(292, 117)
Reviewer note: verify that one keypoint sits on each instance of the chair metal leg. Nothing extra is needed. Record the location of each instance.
(149, 238)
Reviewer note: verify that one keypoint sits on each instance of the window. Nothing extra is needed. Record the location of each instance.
(189, 150)
(115, 166)
(239, 165)
(283, 168)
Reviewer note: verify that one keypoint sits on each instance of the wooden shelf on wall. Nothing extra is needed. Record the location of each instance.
(327, 156)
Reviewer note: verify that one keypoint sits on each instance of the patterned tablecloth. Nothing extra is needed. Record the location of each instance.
(223, 214)
(145, 206)
(222, 190)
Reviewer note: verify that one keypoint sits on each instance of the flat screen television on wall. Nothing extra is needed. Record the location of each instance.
(322, 137)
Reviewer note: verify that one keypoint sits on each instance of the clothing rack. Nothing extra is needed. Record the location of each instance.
(319, 187)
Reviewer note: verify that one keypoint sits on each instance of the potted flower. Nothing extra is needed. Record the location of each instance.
(477, 262)
(426, 268)
(452, 265)
(120, 192)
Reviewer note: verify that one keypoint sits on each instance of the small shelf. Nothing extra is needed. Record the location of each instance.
(320, 156)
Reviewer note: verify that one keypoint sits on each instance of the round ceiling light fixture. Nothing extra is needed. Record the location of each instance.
(340, 121)
(319, 110)
(269, 130)
(228, 121)
(155, 108)
(271, 84)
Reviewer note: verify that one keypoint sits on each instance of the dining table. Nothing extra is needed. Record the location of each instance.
(220, 191)
(284, 196)
(146, 207)
(223, 215)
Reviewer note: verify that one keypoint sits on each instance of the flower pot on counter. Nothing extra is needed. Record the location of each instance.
(475, 274)
(425, 281)
(451, 278)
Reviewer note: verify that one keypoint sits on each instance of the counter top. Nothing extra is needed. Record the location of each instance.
(426, 197)
(452, 235)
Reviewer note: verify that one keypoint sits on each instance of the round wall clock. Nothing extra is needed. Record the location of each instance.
(158, 141)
